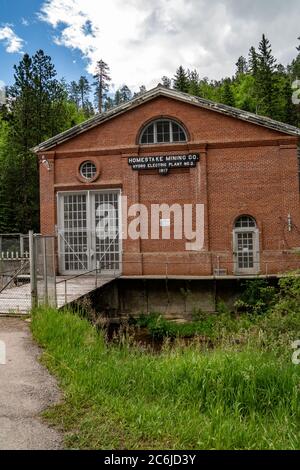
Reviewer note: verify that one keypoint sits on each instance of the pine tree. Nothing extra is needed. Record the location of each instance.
(84, 89)
(181, 80)
(241, 66)
(125, 94)
(166, 81)
(6, 181)
(227, 96)
(265, 77)
(74, 93)
(78, 93)
(38, 109)
(194, 80)
(22, 102)
(46, 88)
(109, 103)
(101, 84)
(141, 91)
(289, 109)
(294, 67)
(253, 61)
(117, 98)
(253, 72)
(33, 119)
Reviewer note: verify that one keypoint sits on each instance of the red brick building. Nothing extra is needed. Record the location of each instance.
(242, 168)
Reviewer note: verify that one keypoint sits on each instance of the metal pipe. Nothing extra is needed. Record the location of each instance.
(66, 294)
(45, 273)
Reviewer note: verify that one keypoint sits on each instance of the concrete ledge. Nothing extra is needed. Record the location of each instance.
(204, 278)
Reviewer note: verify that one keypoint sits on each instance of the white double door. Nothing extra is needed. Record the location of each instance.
(89, 231)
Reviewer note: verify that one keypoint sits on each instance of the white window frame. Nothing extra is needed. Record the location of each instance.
(87, 162)
(171, 141)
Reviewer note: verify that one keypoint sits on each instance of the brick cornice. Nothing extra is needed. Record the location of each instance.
(201, 146)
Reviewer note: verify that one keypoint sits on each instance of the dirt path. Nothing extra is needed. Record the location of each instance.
(26, 388)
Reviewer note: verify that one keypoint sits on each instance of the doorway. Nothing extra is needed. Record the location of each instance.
(89, 231)
(246, 246)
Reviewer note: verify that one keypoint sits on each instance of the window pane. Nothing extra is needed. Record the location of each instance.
(88, 170)
(148, 135)
(245, 248)
(182, 137)
(163, 131)
(178, 134)
(245, 222)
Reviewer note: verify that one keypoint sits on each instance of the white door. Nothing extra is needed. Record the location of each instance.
(106, 241)
(89, 231)
(246, 246)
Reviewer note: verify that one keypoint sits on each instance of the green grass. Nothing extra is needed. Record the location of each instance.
(160, 328)
(244, 394)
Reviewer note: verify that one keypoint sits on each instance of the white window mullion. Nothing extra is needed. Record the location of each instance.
(171, 131)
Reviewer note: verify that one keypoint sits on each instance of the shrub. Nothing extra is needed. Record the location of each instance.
(289, 296)
(257, 298)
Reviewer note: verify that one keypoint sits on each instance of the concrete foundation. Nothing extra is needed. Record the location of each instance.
(175, 298)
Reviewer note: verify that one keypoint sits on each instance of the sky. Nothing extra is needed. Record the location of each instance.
(142, 40)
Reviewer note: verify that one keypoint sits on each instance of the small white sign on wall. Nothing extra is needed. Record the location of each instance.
(2, 353)
(165, 222)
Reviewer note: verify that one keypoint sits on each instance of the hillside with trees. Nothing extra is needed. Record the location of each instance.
(40, 105)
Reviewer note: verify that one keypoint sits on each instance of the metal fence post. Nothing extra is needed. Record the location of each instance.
(21, 246)
(66, 294)
(33, 277)
(54, 270)
(45, 271)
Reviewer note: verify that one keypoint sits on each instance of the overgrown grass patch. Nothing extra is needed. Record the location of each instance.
(241, 395)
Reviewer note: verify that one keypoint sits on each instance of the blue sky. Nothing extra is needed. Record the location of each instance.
(143, 40)
(21, 16)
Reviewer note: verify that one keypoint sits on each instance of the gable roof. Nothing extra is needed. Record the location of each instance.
(160, 90)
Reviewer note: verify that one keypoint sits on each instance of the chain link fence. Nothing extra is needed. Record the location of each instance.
(27, 272)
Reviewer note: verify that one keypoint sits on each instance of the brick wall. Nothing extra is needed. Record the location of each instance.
(243, 169)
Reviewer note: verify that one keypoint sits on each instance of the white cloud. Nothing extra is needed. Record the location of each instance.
(24, 22)
(13, 43)
(143, 40)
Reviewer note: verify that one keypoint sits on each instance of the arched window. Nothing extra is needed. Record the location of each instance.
(246, 246)
(246, 221)
(163, 131)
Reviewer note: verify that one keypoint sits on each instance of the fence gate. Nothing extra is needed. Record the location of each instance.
(14, 273)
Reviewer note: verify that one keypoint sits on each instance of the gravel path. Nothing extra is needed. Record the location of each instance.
(26, 389)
